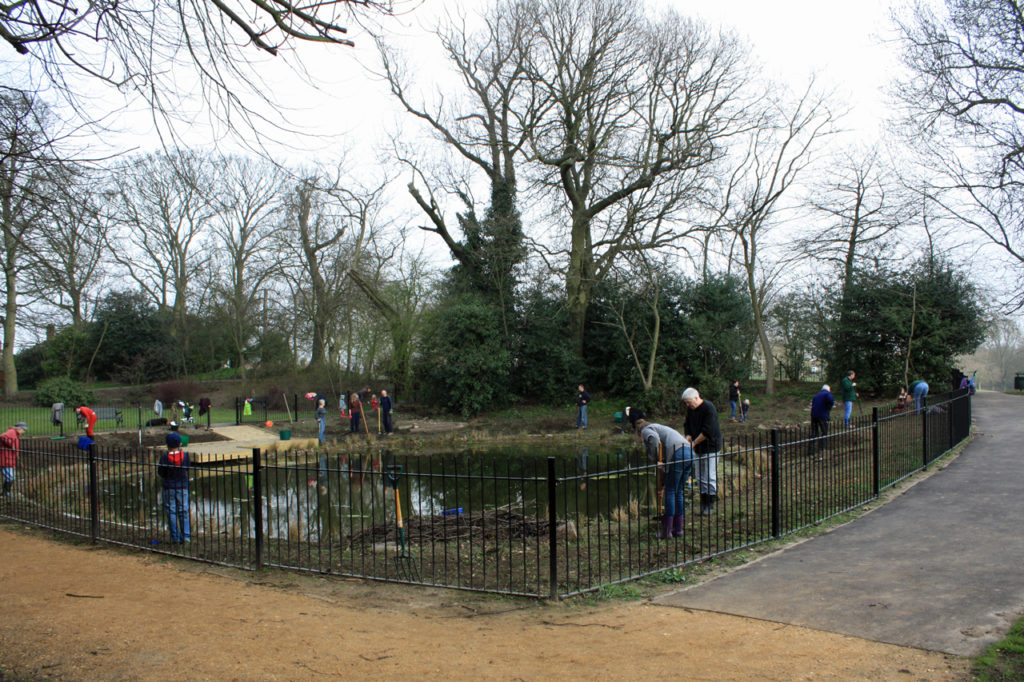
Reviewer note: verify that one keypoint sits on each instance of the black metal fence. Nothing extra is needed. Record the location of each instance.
(280, 407)
(115, 415)
(526, 526)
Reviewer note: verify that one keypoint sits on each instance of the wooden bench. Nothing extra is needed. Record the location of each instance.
(112, 413)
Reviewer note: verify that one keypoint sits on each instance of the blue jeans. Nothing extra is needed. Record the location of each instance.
(176, 504)
(732, 409)
(7, 473)
(920, 391)
(847, 411)
(581, 417)
(323, 426)
(678, 470)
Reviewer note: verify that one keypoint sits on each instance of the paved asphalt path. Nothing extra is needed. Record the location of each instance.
(940, 567)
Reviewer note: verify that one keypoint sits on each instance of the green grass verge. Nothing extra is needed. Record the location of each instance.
(1004, 660)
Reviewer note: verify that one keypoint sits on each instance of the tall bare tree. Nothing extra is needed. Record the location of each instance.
(27, 153)
(330, 223)
(623, 104)
(480, 124)
(864, 206)
(249, 198)
(964, 99)
(781, 145)
(69, 249)
(162, 244)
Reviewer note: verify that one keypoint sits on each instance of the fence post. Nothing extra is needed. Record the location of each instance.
(238, 411)
(257, 501)
(295, 406)
(94, 498)
(950, 416)
(552, 531)
(776, 473)
(924, 432)
(876, 458)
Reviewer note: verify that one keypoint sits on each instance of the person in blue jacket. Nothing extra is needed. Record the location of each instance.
(821, 408)
(173, 470)
(919, 389)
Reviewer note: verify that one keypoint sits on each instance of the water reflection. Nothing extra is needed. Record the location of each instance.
(324, 498)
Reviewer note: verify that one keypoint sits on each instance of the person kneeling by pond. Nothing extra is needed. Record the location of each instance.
(675, 463)
(173, 469)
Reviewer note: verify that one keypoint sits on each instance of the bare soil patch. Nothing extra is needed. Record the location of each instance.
(100, 613)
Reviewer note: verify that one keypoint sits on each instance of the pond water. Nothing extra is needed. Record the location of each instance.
(331, 494)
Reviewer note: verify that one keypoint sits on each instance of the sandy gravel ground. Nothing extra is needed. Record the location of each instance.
(101, 613)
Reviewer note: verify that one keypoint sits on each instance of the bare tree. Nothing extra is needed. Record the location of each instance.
(142, 47)
(782, 144)
(623, 105)
(639, 283)
(249, 197)
(27, 153)
(864, 206)
(69, 249)
(330, 223)
(164, 213)
(397, 288)
(480, 125)
(964, 100)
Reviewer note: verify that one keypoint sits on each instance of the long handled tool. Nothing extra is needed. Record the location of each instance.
(404, 564)
(285, 399)
(362, 417)
(661, 482)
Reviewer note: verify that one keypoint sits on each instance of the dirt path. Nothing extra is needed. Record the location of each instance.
(85, 613)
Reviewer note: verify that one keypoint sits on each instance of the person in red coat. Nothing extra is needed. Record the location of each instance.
(10, 445)
(90, 419)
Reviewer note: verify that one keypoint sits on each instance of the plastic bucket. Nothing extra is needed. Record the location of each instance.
(286, 434)
(184, 440)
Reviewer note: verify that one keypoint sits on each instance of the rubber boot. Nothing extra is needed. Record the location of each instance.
(7, 487)
(707, 508)
(677, 526)
(666, 526)
(703, 502)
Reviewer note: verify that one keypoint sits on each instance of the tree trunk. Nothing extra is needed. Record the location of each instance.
(579, 282)
(10, 315)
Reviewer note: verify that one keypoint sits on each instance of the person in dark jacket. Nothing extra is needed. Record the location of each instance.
(705, 435)
(173, 470)
(633, 415)
(734, 401)
(582, 400)
(821, 409)
(10, 446)
(385, 411)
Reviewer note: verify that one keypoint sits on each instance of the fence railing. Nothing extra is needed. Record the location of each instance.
(115, 415)
(281, 407)
(547, 527)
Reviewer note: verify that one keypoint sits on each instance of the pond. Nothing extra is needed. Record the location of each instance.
(313, 495)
